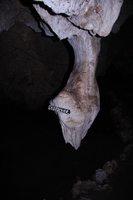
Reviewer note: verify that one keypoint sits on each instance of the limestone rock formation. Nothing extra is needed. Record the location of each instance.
(80, 22)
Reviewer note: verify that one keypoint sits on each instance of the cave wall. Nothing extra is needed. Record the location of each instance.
(32, 66)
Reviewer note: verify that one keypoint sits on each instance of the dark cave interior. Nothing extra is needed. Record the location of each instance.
(36, 162)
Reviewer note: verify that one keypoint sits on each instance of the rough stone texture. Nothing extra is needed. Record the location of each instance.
(96, 16)
(80, 95)
(11, 11)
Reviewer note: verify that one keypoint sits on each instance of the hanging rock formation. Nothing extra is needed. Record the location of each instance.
(80, 22)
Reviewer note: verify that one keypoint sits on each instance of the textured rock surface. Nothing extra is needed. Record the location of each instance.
(11, 11)
(80, 95)
(96, 16)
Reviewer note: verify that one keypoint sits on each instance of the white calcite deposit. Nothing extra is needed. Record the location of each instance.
(80, 22)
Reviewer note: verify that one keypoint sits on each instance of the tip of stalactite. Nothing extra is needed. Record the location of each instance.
(73, 142)
(76, 147)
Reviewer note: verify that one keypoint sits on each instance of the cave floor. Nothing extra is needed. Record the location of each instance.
(38, 165)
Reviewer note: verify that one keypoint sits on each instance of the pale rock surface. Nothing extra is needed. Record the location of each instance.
(73, 20)
(81, 95)
(96, 15)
